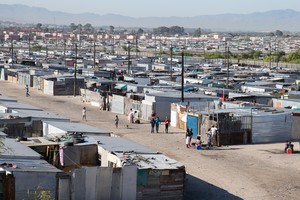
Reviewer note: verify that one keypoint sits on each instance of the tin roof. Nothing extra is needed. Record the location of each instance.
(119, 144)
(71, 127)
(6, 98)
(130, 152)
(26, 165)
(17, 105)
(150, 161)
(173, 94)
(39, 114)
(14, 149)
(38, 141)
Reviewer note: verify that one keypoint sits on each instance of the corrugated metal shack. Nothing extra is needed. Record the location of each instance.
(182, 111)
(9, 107)
(233, 126)
(26, 122)
(158, 176)
(24, 175)
(161, 102)
(12, 74)
(62, 85)
(248, 125)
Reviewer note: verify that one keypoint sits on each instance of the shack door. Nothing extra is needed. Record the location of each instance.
(192, 122)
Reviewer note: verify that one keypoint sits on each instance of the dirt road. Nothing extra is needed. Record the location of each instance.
(233, 172)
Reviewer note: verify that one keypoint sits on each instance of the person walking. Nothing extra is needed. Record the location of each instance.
(209, 136)
(117, 121)
(27, 91)
(157, 122)
(167, 125)
(187, 138)
(191, 136)
(84, 113)
(152, 123)
(130, 116)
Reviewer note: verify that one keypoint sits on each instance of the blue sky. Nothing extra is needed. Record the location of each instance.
(160, 8)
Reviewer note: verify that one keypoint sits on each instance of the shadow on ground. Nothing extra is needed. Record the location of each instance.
(196, 189)
(279, 151)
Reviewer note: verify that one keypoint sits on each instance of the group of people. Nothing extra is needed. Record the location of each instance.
(155, 122)
(289, 146)
(188, 137)
(210, 135)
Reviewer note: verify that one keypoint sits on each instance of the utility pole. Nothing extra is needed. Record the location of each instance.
(80, 35)
(94, 54)
(29, 45)
(160, 51)
(56, 37)
(227, 63)
(171, 68)
(154, 45)
(277, 61)
(204, 52)
(75, 70)
(65, 51)
(270, 64)
(182, 76)
(113, 44)
(128, 48)
(12, 53)
(46, 49)
(136, 44)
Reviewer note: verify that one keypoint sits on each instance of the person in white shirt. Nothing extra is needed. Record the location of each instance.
(214, 131)
(84, 113)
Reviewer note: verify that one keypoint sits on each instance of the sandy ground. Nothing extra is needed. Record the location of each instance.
(230, 172)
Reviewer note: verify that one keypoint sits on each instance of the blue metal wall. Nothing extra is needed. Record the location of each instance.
(192, 122)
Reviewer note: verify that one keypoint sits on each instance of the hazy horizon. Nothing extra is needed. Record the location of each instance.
(157, 8)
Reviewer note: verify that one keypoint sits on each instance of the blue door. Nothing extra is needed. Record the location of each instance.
(192, 122)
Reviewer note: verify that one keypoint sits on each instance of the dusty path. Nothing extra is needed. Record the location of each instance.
(234, 172)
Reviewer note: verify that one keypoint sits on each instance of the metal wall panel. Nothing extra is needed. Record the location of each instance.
(192, 122)
(117, 104)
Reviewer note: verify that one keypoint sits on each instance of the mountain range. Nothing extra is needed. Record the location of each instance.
(284, 20)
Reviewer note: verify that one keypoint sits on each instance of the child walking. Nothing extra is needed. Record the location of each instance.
(117, 121)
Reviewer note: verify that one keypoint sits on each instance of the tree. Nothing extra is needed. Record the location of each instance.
(111, 29)
(176, 30)
(73, 26)
(140, 31)
(88, 27)
(162, 30)
(294, 57)
(39, 26)
(173, 30)
(255, 54)
(271, 34)
(38, 48)
(197, 32)
(278, 33)
(79, 27)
